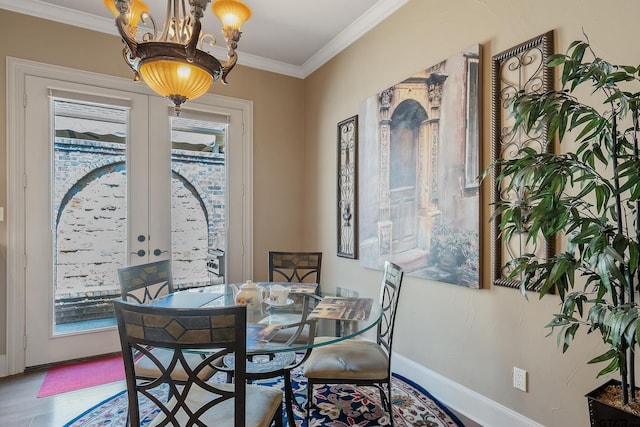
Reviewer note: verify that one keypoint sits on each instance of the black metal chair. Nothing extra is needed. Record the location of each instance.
(303, 267)
(295, 266)
(273, 365)
(287, 267)
(361, 362)
(193, 402)
(142, 284)
(145, 282)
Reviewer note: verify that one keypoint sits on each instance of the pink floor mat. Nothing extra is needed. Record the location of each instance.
(66, 378)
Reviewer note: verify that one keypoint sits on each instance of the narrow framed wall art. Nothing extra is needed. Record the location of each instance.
(519, 69)
(347, 208)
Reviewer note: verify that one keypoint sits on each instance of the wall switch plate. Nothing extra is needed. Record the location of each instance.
(1, 214)
(520, 379)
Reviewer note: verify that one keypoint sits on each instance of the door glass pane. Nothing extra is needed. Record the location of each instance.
(89, 212)
(198, 201)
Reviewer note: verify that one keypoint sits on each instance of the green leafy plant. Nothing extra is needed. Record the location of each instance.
(590, 195)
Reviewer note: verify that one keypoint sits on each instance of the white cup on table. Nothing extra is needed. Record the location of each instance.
(278, 294)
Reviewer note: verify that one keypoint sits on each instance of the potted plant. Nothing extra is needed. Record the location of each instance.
(590, 195)
(453, 256)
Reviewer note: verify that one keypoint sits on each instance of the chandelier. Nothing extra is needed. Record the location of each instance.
(171, 61)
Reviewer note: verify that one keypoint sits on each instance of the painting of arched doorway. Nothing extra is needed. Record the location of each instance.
(418, 198)
(403, 175)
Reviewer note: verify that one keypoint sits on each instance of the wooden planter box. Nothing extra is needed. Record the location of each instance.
(604, 415)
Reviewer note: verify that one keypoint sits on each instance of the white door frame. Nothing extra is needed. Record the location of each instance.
(17, 69)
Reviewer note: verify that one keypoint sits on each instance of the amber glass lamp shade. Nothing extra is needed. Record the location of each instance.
(232, 13)
(136, 9)
(167, 78)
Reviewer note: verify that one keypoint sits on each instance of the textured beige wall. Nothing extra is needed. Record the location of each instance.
(278, 128)
(473, 337)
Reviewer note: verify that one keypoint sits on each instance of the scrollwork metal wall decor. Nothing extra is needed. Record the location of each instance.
(521, 68)
(347, 187)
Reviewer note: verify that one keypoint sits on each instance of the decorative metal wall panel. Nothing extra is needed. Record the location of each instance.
(521, 68)
(347, 187)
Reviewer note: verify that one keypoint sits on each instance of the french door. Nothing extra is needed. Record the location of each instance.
(114, 196)
(79, 212)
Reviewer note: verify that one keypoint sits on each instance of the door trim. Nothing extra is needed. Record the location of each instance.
(17, 69)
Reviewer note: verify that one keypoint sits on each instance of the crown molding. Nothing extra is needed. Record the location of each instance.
(44, 10)
(372, 17)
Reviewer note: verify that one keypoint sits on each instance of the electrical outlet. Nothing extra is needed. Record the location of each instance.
(520, 379)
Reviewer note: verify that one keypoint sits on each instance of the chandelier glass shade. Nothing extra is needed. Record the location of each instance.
(136, 9)
(231, 13)
(169, 77)
(171, 60)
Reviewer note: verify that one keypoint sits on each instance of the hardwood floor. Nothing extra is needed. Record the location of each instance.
(20, 406)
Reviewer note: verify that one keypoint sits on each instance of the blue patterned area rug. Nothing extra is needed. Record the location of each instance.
(334, 406)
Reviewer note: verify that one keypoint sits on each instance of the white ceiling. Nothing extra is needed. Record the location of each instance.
(292, 37)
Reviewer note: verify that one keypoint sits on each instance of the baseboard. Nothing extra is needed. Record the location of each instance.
(472, 405)
(3, 366)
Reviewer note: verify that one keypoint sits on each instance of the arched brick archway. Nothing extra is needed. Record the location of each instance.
(91, 229)
(91, 226)
(190, 221)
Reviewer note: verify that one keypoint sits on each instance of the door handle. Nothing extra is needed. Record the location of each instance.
(140, 253)
(157, 252)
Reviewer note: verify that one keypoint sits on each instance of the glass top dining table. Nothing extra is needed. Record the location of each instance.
(268, 321)
(284, 331)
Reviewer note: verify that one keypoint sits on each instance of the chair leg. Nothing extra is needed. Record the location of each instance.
(288, 397)
(277, 419)
(385, 399)
(309, 397)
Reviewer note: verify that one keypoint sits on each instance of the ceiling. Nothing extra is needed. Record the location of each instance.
(291, 37)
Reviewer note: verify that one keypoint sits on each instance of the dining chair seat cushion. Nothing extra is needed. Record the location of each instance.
(353, 359)
(145, 367)
(261, 401)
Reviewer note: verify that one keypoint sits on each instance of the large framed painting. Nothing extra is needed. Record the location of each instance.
(419, 198)
(521, 68)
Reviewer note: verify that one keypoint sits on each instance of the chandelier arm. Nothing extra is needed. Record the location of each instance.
(180, 22)
(164, 34)
(197, 7)
(146, 18)
(232, 36)
(192, 45)
(126, 54)
(122, 24)
(196, 12)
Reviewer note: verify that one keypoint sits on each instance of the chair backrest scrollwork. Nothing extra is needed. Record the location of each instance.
(295, 266)
(389, 295)
(145, 282)
(181, 332)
